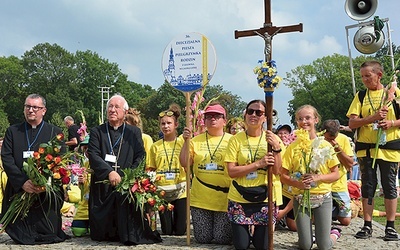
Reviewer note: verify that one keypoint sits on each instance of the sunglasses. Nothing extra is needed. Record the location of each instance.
(166, 113)
(257, 111)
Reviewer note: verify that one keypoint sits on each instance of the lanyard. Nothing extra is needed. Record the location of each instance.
(172, 156)
(253, 159)
(118, 140)
(34, 140)
(216, 148)
(370, 102)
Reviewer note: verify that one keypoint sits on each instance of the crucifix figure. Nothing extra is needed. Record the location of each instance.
(267, 32)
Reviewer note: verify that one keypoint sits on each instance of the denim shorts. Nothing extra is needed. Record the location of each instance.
(343, 200)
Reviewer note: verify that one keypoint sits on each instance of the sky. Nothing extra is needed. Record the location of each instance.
(135, 33)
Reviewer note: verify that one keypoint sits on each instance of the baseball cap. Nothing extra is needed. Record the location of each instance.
(215, 109)
(284, 126)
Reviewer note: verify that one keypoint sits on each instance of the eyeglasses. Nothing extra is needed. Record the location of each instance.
(34, 108)
(215, 116)
(166, 113)
(257, 111)
(115, 107)
(307, 118)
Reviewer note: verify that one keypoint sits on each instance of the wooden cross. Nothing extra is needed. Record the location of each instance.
(267, 33)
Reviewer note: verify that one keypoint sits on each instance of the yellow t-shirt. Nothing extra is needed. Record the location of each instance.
(213, 171)
(3, 182)
(82, 212)
(292, 163)
(244, 150)
(164, 158)
(147, 142)
(344, 143)
(366, 133)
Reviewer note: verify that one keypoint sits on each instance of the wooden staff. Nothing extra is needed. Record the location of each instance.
(188, 111)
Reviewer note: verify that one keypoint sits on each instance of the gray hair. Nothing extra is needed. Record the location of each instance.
(68, 118)
(37, 96)
(126, 106)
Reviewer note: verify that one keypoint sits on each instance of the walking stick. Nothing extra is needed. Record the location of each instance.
(188, 111)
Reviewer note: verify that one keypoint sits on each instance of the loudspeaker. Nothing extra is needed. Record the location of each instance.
(360, 9)
(366, 41)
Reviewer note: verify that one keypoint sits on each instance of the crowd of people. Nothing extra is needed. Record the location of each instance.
(229, 164)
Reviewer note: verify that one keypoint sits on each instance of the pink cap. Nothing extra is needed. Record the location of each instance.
(215, 109)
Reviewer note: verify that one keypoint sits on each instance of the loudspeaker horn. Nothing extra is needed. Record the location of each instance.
(365, 40)
(360, 9)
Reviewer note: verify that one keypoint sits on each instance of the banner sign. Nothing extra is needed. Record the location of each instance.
(189, 62)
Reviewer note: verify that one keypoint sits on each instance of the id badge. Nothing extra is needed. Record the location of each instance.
(27, 154)
(170, 176)
(251, 175)
(375, 126)
(211, 166)
(110, 158)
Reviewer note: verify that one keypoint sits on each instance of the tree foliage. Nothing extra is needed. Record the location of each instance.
(327, 83)
(71, 81)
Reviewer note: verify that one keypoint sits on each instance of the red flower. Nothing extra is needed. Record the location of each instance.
(57, 160)
(36, 155)
(145, 182)
(170, 207)
(41, 150)
(65, 180)
(151, 201)
(63, 172)
(49, 158)
(134, 187)
(161, 208)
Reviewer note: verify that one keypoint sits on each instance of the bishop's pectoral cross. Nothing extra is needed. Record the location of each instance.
(116, 167)
(267, 33)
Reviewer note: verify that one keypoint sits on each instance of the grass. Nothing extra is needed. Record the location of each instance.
(379, 205)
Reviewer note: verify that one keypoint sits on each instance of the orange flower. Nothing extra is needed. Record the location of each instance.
(151, 201)
(162, 193)
(41, 150)
(36, 155)
(161, 208)
(56, 176)
(60, 137)
(50, 166)
(49, 158)
(170, 207)
(57, 160)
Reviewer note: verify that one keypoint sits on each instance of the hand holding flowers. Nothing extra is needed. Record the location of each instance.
(47, 172)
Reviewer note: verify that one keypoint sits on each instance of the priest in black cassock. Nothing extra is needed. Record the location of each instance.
(43, 223)
(114, 146)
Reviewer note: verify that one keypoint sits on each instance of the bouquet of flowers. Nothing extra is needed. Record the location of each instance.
(267, 77)
(139, 188)
(387, 99)
(46, 169)
(312, 155)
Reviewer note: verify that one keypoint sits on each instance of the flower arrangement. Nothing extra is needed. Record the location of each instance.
(387, 99)
(267, 77)
(140, 188)
(46, 168)
(312, 154)
(82, 131)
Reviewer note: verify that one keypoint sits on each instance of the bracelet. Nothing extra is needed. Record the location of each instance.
(276, 150)
(392, 123)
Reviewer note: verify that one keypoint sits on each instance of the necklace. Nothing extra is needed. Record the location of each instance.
(216, 148)
(172, 156)
(253, 158)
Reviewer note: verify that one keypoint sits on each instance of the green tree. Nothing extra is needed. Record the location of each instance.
(11, 81)
(326, 84)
